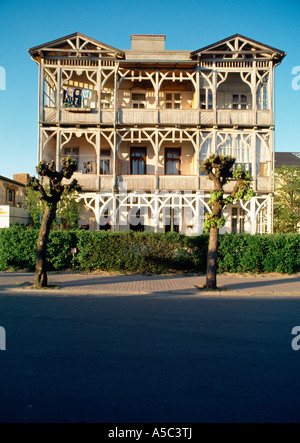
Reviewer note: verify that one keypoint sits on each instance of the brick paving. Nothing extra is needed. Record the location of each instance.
(229, 284)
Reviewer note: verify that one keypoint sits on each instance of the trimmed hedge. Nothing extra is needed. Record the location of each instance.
(150, 252)
(137, 252)
(17, 248)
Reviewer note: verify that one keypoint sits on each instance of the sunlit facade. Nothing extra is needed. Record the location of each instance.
(140, 121)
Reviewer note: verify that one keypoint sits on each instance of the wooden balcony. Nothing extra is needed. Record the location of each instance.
(264, 184)
(137, 182)
(244, 117)
(88, 182)
(106, 182)
(70, 115)
(138, 116)
(178, 182)
(183, 117)
(179, 116)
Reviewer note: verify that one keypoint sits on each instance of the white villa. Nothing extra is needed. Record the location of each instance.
(140, 121)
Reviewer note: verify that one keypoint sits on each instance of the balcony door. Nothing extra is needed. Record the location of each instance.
(138, 160)
(172, 161)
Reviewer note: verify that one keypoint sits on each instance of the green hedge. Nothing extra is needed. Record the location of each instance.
(17, 248)
(135, 252)
(150, 252)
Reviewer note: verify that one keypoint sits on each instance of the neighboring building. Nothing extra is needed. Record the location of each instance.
(12, 198)
(140, 122)
(287, 159)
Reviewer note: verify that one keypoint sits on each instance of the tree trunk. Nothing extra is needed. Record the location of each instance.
(41, 279)
(212, 257)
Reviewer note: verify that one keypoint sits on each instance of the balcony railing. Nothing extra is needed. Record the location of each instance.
(137, 182)
(178, 182)
(147, 183)
(88, 182)
(159, 116)
(264, 184)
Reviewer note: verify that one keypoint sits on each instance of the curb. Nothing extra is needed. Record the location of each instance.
(180, 292)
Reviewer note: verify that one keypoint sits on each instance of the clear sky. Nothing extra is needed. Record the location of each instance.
(188, 25)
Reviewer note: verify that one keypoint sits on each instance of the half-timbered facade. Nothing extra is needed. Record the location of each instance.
(140, 121)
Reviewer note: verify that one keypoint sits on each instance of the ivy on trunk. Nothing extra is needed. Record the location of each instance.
(51, 197)
(219, 169)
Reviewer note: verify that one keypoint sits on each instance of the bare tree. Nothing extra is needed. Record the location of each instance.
(51, 197)
(219, 169)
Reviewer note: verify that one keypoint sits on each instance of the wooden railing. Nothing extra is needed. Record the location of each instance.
(159, 116)
(137, 182)
(178, 182)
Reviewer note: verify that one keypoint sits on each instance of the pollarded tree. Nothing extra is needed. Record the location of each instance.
(51, 196)
(219, 169)
(68, 208)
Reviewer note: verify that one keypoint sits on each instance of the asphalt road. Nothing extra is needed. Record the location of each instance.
(148, 359)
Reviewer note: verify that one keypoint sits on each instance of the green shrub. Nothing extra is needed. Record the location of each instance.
(17, 248)
(134, 251)
(59, 254)
(150, 252)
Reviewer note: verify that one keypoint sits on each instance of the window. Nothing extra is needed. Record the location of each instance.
(239, 101)
(173, 161)
(73, 152)
(10, 196)
(136, 218)
(173, 101)
(237, 220)
(172, 220)
(262, 221)
(205, 98)
(105, 162)
(138, 160)
(206, 149)
(105, 221)
(138, 100)
(262, 94)
(106, 100)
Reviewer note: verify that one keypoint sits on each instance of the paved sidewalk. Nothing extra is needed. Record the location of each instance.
(106, 283)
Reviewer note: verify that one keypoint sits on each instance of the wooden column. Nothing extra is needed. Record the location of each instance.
(41, 92)
(58, 148)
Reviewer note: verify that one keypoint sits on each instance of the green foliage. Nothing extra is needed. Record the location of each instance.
(287, 199)
(34, 206)
(18, 243)
(211, 221)
(259, 253)
(215, 196)
(17, 248)
(240, 173)
(59, 255)
(134, 251)
(68, 212)
(149, 252)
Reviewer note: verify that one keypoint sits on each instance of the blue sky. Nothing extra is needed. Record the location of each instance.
(188, 25)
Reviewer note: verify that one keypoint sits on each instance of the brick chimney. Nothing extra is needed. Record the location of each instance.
(21, 178)
(147, 42)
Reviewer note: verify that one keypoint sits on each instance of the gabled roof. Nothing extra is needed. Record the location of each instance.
(75, 44)
(287, 159)
(239, 44)
(9, 180)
